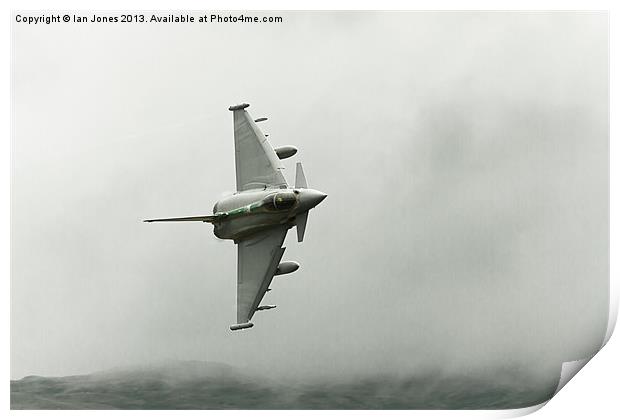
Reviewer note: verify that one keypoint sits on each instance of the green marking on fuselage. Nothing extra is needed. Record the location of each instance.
(255, 205)
(250, 208)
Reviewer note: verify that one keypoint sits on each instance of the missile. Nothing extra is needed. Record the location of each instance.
(265, 307)
(284, 152)
(238, 107)
(260, 119)
(286, 267)
(236, 327)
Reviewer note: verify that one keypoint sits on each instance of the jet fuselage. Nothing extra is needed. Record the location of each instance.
(248, 212)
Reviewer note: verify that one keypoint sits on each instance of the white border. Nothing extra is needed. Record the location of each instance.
(592, 393)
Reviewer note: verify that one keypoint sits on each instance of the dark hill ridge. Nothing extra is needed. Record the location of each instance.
(204, 385)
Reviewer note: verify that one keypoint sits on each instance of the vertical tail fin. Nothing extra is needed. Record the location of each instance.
(206, 219)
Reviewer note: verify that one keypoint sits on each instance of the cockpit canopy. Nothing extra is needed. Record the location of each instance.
(280, 201)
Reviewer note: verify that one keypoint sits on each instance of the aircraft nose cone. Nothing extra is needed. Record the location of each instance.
(315, 197)
(312, 198)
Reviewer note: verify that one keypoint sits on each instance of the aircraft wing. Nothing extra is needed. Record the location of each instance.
(256, 162)
(257, 260)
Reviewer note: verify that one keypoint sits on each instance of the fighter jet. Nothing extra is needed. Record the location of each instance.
(258, 216)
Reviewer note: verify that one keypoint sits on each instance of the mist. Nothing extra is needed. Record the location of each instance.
(465, 155)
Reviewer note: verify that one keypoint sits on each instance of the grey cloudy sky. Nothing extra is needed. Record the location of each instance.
(465, 156)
